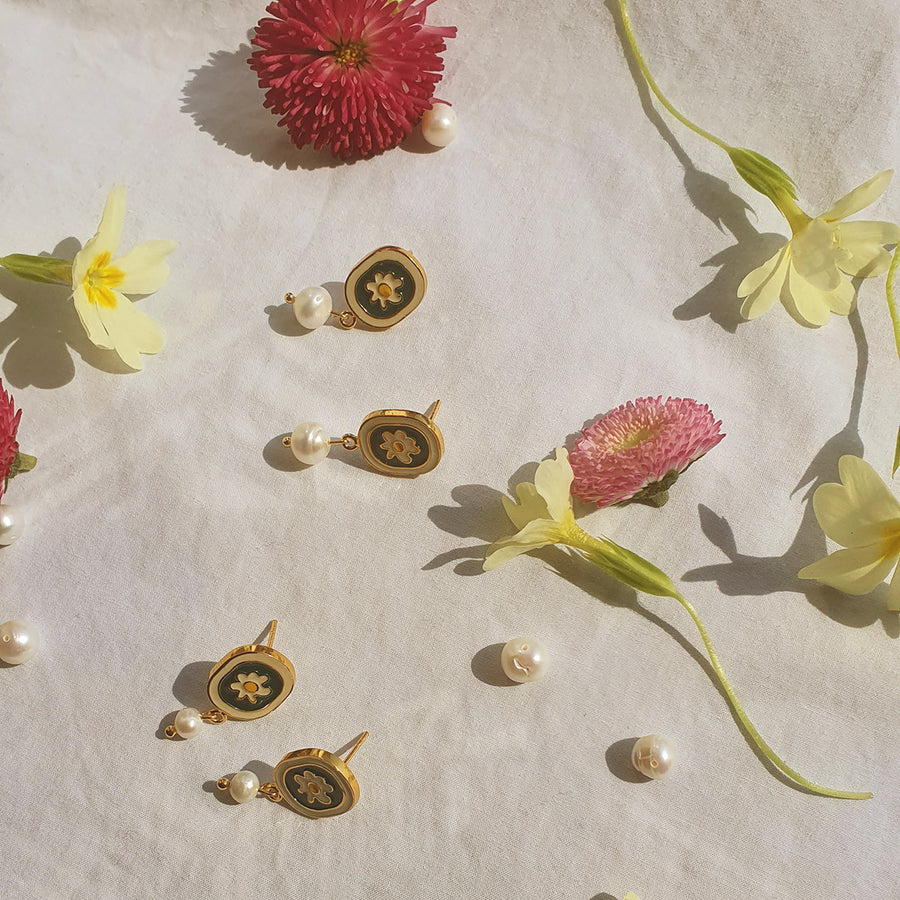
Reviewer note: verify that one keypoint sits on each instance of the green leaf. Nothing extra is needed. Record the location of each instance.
(628, 567)
(763, 175)
(44, 269)
(23, 462)
(896, 455)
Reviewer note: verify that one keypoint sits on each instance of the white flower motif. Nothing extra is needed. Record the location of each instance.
(252, 686)
(399, 445)
(384, 289)
(811, 273)
(863, 516)
(100, 281)
(315, 787)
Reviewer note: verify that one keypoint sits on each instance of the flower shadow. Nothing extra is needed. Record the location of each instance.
(713, 198)
(40, 333)
(756, 576)
(224, 100)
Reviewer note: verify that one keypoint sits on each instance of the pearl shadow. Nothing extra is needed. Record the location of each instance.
(618, 761)
(486, 667)
(263, 771)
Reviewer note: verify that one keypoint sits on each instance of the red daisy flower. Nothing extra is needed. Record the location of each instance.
(350, 75)
(9, 425)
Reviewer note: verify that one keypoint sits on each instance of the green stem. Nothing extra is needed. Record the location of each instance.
(640, 574)
(645, 71)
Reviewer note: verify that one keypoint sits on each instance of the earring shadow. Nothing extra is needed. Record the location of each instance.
(486, 667)
(263, 771)
(618, 761)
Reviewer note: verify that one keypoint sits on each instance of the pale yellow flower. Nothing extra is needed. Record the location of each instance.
(100, 280)
(811, 273)
(863, 516)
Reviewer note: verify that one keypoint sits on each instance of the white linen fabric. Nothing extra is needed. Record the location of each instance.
(582, 249)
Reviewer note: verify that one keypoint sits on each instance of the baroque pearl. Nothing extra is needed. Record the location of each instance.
(312, 307)
(309, 443)
(12, 524)
(244, 786)
(524, 659)
(439, 124)
(188, 723)
(18, 642)
(653, 756)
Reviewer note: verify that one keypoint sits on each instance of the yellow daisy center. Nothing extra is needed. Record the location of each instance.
(100, 278)
(385, 290)
(251, 687)
(638, 437)
(353, 53)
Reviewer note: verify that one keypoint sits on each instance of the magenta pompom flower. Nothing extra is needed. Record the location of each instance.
(637, 451)
(351, 75)
(9, 425)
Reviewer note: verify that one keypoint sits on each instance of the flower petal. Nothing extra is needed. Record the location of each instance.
(531, 505)
(811, 302)
(759, 276)
(553, 481)
(813, 255)
(841, 300)
(109, 233)
(131, 331)
(868, 232)
(860, 197)
(855, 512)
(856, 571)
(538, 533)
(762, 298)
(89, 315)
(145, 271)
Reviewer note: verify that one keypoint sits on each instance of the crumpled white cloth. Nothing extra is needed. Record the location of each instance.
(582, 250)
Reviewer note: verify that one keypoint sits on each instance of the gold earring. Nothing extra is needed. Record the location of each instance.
(314, 783)
(392, 441)
(247, 683)
(381, 290)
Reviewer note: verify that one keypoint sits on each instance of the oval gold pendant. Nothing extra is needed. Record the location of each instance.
(316, 783)
(385, 287)
(400, 442)
(250, 682)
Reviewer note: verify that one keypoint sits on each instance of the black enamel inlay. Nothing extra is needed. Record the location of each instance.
(391, 455)
(229, 695)
(295, 783)
(370, 304)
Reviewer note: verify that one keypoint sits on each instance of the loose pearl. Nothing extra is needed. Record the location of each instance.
(12, 524)
(309, 443)
(244, 786)
(312, 307)
(18, 642)
(439, 125)
(524, 659)
(653, 756)
(188, 723)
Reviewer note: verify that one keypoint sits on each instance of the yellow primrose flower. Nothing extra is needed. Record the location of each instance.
(863, 516)
(811, 273)
(100, 281)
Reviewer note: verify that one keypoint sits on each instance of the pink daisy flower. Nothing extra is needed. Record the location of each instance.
(9, 425)
(350, 75)
(637, 451)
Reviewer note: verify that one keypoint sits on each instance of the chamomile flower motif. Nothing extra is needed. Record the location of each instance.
(863, 516)
(811, 273)
(101, 279)
(251, 686)
(315, 787)
(400, 446)
(383, 289)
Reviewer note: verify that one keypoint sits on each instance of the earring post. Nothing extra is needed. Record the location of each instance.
(272, 629)
(356, 746)
(432, 410)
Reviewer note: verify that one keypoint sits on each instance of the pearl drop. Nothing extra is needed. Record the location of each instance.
(439, 125)
(524, 659)
(309, 443)
(12, 524)
(19, 641)
(244, 786)
(653, 756)
(312, 307)
(188, 723)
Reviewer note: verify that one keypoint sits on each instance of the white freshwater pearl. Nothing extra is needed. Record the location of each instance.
(524, 659)
(188, 723)
(439, 125)
(653, 756)
(312, 307)
(244, 786)
(12, 524)
(19, 641)
(309, 443)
